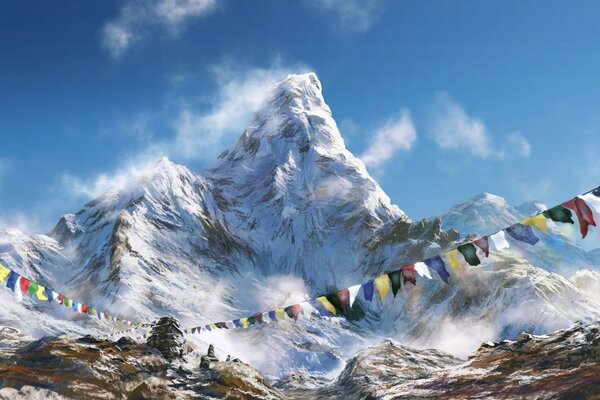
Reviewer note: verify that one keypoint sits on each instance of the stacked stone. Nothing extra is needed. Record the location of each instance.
(166, 337)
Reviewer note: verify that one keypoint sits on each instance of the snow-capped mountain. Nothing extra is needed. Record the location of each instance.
(286, 213)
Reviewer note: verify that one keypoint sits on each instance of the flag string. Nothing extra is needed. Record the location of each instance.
(584, 206)
(26, 287)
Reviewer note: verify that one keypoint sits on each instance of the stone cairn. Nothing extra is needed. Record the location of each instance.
(166, 337)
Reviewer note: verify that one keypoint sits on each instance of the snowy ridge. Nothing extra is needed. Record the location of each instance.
(288, 213)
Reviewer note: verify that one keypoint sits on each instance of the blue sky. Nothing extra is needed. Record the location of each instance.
(442, 99)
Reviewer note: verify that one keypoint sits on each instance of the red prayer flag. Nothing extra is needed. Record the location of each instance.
(583, 212)
(344, 297)
(484, 245)
(259, 318)
(84, 309)
(24, 282)
(408, 274)
(61, 298)
(296, 310)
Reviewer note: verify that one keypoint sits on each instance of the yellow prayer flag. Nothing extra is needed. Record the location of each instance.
(244, 322)
(213, 327)
(4, 272)
(452, 257)
(40, 293)
(280, 314)
(537, 221)
(382, 282)
(323, 300)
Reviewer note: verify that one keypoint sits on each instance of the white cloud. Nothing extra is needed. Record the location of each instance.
(352, 16)
(136, 167)
(451, 128)
(138, 19)
(519, 144)
(202, 134)
(198, 134)
(397, 134)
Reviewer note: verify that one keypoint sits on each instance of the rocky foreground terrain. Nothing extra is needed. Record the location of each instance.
(562, 365)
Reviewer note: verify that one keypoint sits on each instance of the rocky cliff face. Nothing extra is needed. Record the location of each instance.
(564, 364)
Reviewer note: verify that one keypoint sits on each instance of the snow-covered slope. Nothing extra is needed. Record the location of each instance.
(285, 213)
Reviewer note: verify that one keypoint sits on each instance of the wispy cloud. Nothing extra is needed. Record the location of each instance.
(452, 128)
(203, 133)
(199, 133)
(397, 134)
(351, 16)
(139, 19)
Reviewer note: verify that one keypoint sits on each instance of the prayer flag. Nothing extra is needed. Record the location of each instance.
(344, 297)
(522, 233)
(319, 307)
(252, 319)
(19, 291)
(41, 293)
(367, 288)
(408, 274)
(75, 305)
(237, 323)
(11, 281)
(272, 315)
(583, 212)
(208, 328)
(24, 283)
(307, 308)
(537, 221)
(265, 317)
(293, 311)
(382, 283)
(499, 241)
(49, 294)
(335, 301)
(592, 200)
(559, 214)
(395, 278)
(469, 252)
(437, 264)
(452, 257)
(4, 272)
(280, 314)
(259, 318)
(33, 288)
(422, 270)
(325, 303)
(352, 293)
(484, 245)
(244, 322)
(213, 326)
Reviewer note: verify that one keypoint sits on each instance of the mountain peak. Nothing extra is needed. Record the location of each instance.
(294, 119)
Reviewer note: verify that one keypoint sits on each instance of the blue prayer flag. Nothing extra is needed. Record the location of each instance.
(523, 233)
(13, 277)
(368, 290)
(437, 264)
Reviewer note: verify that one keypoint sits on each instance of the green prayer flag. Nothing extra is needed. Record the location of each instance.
(559, 214)
(396, 278)
(469, 252)
(252, 320)
(334, 299)
(33, 288)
